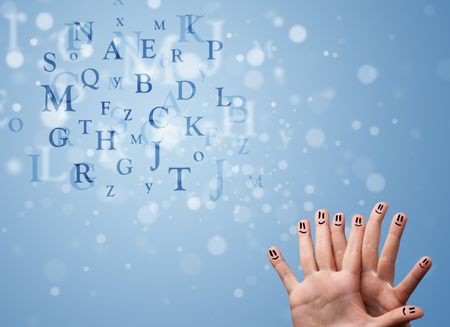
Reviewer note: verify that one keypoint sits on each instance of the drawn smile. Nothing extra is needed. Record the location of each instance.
(410, 309)
(338, 220)
(321, 217)
(273, 254)
(302, 227)
(425, 262)
(399, 220)
(379, 208)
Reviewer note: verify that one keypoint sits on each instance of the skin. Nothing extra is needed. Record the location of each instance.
(335, 290)
(377, 289)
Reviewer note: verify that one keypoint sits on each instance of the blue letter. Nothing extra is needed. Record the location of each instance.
(180, 176)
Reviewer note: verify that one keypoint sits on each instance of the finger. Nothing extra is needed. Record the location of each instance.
(399, 316)
(324, 248)
(307, 258)
(338, 238)
(386, 264)
(352, 256)
(404, 290)
(284, 271)
(372, 237)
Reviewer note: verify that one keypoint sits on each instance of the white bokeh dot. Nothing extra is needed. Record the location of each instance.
(255, 57)
(375, 183)
(356, 125)
(367, 74)
(100, 238)
(16, 107)
(148, 214)
(44, 21)
(258, 192)
(238, 293)
(87, 50)
(278, 21)
(374, 130)
(315, 137)
(194, 203)
(55, 291)
(282, 164)
(308, 206)
(284, 237)
(29, 204)
(217, 245)
(266, 208)
(14, 166)
(297, 34)
(309, 189)
(264, 137)
(154, 4)
(14, 59)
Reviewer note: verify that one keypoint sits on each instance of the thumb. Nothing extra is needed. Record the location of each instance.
(400, 315)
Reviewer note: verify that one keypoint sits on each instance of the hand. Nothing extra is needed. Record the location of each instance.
(377, 290)
(330, 294)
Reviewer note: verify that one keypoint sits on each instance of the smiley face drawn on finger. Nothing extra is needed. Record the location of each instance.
(424, 263)
(321, 217)
(338, 220)
(409, 310)
(302, 227)
(399, 219)
(273, 254)
(379, 208)
(358, 221)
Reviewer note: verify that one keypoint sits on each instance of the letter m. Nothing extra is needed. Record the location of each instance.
(254, 182)
(135, 140)
(56, 100)
(160, 25)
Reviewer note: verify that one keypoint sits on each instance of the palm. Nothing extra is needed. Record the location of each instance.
(330, 293)
(327, 297)
(378, 295)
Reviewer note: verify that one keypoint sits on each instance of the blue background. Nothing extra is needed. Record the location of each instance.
(75, 258)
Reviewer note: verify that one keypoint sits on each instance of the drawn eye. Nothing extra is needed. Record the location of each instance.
(424, 263)
(302, 227)
(321, 215)
(273, 254)
(410, 310)
(379, 208)
(399, 219)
